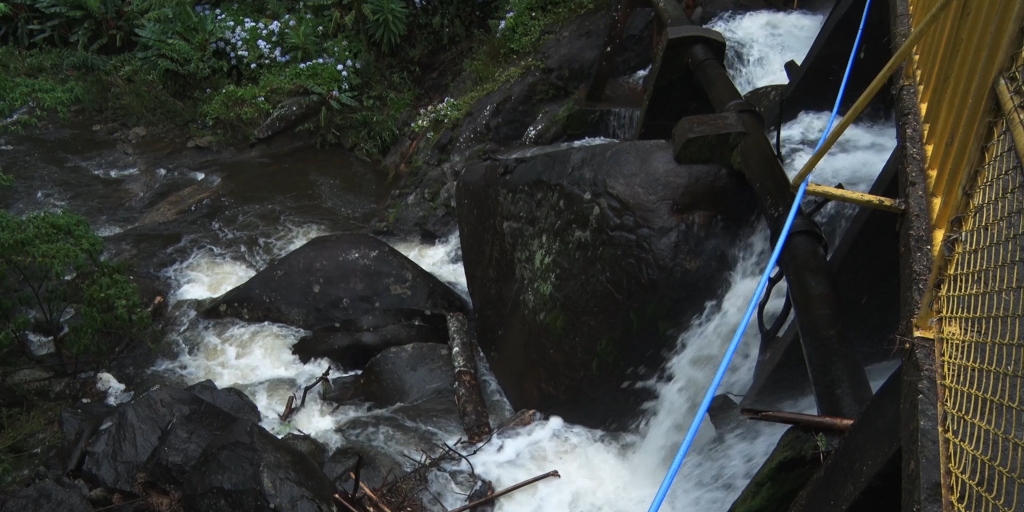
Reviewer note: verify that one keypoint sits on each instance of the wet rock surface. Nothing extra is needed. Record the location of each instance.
(409, 374)
(289, 114)
(230, 400)
(533, 109)
(336, 280)
(47, 496)
(561, 336)
(163, 432)
(200, 448)
(353, 345)
(247, 468)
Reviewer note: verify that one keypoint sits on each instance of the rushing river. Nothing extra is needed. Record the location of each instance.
(240, 213)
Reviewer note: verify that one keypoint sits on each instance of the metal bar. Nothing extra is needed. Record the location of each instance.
(802, 420)
(869, 93)
(854, 197)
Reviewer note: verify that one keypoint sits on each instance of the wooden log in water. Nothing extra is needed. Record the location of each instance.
(470, 399)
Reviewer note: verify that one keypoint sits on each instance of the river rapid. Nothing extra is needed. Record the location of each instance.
(205, 224)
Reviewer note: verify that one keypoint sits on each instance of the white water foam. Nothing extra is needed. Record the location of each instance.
(115, 173)
(761, 42)
(253, 357)
(256, 359)
(443, 259)
(209, 272)
(540, 150)
(105, 231)
(115, 390)
(864, 146)
(601, 472)
(286, 239)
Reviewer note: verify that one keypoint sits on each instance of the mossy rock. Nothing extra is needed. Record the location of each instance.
(776, 484)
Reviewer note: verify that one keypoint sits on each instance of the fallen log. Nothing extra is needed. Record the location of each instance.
(470, 400)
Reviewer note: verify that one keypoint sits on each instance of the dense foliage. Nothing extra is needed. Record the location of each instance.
(53, 283)
(221, 68)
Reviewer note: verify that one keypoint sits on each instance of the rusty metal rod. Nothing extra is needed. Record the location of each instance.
(799, 419)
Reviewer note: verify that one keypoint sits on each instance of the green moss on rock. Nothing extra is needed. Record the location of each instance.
(776, 484)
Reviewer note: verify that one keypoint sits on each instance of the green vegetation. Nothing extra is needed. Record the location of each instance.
(221, 68)
(25, 434)
(522, 28)
(54, 283)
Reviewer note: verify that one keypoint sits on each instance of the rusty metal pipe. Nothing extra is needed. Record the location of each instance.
(839, 381)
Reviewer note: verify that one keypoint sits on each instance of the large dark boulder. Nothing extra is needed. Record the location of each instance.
(418, 382)
(582, 263)
(353, 345)
(336, 280)
(408, 374)
(159, 436)
(47, 496)
(247, 469)
(78, 423)
(230, 399)
(533, 109)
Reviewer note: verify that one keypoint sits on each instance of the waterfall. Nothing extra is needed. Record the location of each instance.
(601, 471)
(620, 123)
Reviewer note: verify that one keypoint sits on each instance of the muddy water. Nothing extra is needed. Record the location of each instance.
(161, 205)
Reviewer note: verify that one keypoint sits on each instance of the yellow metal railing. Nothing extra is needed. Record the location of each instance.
(980, 316)
(968, 76)
(954, 66)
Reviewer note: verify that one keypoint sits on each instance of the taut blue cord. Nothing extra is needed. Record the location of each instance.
(666, 484)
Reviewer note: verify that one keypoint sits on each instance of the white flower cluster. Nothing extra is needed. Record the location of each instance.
(252, 42)
(443, 112)
(501, 24)
(341, 68)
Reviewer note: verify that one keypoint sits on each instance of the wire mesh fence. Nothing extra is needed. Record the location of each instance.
(981, 315)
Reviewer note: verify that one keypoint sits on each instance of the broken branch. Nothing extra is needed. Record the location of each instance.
(371, 494)
(320, 379)
(506, 490)
(289, 408)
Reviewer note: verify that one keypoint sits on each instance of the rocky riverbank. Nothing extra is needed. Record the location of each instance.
(586, 258)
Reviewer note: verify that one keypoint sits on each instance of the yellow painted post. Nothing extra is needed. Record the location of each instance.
(854, 197)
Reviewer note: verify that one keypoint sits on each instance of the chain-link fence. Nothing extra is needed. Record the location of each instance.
(981, 316)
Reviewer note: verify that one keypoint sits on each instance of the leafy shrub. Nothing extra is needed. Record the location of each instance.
(522, 28)
(177, 39)
(53, 282)
(31, 81)
(89, 25)
(386, 20)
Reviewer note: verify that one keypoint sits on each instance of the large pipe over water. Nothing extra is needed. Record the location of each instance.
(840, 383)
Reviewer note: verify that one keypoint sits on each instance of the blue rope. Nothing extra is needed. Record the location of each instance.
(666, 484)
